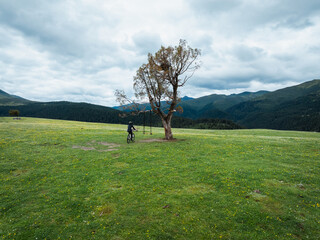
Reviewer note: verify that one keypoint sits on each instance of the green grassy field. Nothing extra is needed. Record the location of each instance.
(75, 180)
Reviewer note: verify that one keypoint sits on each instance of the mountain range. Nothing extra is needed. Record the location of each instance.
(291, 108)
(95, 113)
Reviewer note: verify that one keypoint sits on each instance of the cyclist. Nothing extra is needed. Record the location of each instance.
(130, 127)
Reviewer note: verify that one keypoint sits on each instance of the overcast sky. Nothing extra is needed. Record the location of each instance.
(82, 50)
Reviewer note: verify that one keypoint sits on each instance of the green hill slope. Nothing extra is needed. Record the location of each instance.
(65, 110)
(11, 100)
(291, 93)
(293, 108)
(95, 113)
(214, 106)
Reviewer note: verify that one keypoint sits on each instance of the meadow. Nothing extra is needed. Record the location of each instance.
(77, 180)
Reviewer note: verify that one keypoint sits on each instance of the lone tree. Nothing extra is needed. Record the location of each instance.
(14, 113)
(159, 80)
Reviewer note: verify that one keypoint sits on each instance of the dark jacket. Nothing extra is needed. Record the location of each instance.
(130, 126)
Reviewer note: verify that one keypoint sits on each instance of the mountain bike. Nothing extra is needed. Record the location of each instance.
(130, 138)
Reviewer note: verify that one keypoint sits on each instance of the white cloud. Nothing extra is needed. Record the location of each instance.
(84, 50)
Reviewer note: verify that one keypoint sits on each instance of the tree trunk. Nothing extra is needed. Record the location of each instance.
(167, 128)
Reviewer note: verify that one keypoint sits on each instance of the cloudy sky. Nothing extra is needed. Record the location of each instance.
(82, 50)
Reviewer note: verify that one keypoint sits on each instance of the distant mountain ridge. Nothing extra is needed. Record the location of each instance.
(95, 113)
(214, 105)
(147, 106)
(291, 108)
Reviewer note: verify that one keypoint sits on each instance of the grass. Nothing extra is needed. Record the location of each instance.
(74, 180)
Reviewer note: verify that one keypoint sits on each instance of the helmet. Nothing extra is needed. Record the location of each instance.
(130, 122)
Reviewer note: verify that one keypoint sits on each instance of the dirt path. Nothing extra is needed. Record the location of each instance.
(94, 146)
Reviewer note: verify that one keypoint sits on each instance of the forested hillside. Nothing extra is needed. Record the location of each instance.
(94, 113)
(292, 108)
(215, 105)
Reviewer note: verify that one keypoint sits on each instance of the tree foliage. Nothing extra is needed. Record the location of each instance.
(14, 113)
(159, 79)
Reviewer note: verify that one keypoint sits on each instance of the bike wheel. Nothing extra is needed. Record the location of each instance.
(128, 138)
(133, 137)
